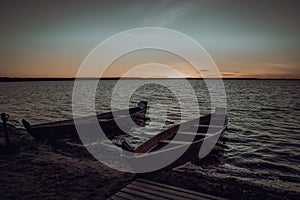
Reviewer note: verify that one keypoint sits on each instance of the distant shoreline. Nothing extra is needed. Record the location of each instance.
(8, 79)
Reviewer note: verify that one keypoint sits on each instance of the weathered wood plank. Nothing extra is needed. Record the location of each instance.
(181, 189)
(142, 194)
(149, 190)
(210, 126)
(191, 133)
(178, 194)
(175, 142)
(124, 195)
(115, 197)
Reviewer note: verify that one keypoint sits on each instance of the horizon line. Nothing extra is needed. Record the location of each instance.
(16, 79)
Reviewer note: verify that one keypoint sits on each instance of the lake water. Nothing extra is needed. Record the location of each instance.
(263, 136)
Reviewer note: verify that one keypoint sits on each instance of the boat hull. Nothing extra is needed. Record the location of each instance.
(67, 129)
(171, 158)
(164, 151)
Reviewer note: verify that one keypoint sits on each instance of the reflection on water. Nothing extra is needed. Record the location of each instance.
(263, 129)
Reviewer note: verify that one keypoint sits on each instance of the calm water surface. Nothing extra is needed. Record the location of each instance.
(263, 129)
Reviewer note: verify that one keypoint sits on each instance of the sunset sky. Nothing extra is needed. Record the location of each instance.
(259, 39)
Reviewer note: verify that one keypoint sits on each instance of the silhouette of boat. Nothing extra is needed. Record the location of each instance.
(174, 146)
(180, 143)
(66, 129)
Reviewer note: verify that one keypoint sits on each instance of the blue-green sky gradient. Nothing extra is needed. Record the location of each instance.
(245, 38)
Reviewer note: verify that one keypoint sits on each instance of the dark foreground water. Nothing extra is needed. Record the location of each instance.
(263, 136)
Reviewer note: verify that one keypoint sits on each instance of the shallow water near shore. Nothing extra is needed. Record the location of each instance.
(262, 141)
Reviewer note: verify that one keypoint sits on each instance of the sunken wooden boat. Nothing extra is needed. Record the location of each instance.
(179, 144)
(66, 129)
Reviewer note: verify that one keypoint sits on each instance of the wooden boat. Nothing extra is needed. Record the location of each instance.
(66, 129)
(166, 146)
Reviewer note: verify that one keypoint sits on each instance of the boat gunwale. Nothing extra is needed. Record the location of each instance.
(137, 155)
(205, 118)
(98, 116)
(46, 131)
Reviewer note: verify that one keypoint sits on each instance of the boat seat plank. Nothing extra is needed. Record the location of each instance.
(174, 142)
(191, 133)
(210, 126)
(160, 145)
